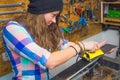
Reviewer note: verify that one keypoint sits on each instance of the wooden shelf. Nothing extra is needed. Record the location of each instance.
(109, 21)
(117, 2)
(112, 19)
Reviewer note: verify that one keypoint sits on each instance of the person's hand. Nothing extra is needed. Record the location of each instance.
(92, 45)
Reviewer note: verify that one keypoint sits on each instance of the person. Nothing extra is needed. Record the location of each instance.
(34, 42)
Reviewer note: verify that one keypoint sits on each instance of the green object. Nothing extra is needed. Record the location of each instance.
(113, 14)
(66, 30)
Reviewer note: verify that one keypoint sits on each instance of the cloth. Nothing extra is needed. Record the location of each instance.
(28, 60)
(62, 44)
(44, 6)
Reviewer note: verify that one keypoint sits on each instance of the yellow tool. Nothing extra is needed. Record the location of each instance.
(92, 55)
(89, 56)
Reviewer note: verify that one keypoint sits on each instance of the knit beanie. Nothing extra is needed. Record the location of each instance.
(44, 6)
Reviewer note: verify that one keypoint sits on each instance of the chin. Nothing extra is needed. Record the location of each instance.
(49, 24)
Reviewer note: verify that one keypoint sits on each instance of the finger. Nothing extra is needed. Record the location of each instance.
(103, 43)
(97, 46)
(112, 50)
(93, 49)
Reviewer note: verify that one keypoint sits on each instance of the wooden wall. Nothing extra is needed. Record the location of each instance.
(69, 12)
(9, 9)
(5, 66)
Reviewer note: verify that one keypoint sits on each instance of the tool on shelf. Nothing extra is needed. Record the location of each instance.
(11, 5)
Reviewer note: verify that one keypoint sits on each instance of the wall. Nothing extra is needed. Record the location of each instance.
(5, 14)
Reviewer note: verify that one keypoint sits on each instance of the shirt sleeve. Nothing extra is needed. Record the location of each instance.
(19, 40)
(62, 44)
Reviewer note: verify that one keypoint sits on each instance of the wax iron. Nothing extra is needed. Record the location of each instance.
(103, 50)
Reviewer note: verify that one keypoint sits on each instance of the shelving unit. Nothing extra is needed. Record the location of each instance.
(109, 21)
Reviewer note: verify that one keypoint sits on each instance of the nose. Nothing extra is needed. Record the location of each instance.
(54, 20)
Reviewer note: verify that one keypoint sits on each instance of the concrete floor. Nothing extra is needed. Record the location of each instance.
(111, 35)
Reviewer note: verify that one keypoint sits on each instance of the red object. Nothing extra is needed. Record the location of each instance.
(78, 10)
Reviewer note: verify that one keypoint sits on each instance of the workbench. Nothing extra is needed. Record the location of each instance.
(77, 70)
(64, 69)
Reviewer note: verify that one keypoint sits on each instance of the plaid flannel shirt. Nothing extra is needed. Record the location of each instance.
(28, 60)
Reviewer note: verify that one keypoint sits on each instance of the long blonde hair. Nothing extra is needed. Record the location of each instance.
(46, 37)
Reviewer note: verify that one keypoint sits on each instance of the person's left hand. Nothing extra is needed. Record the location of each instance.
(92, 45)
